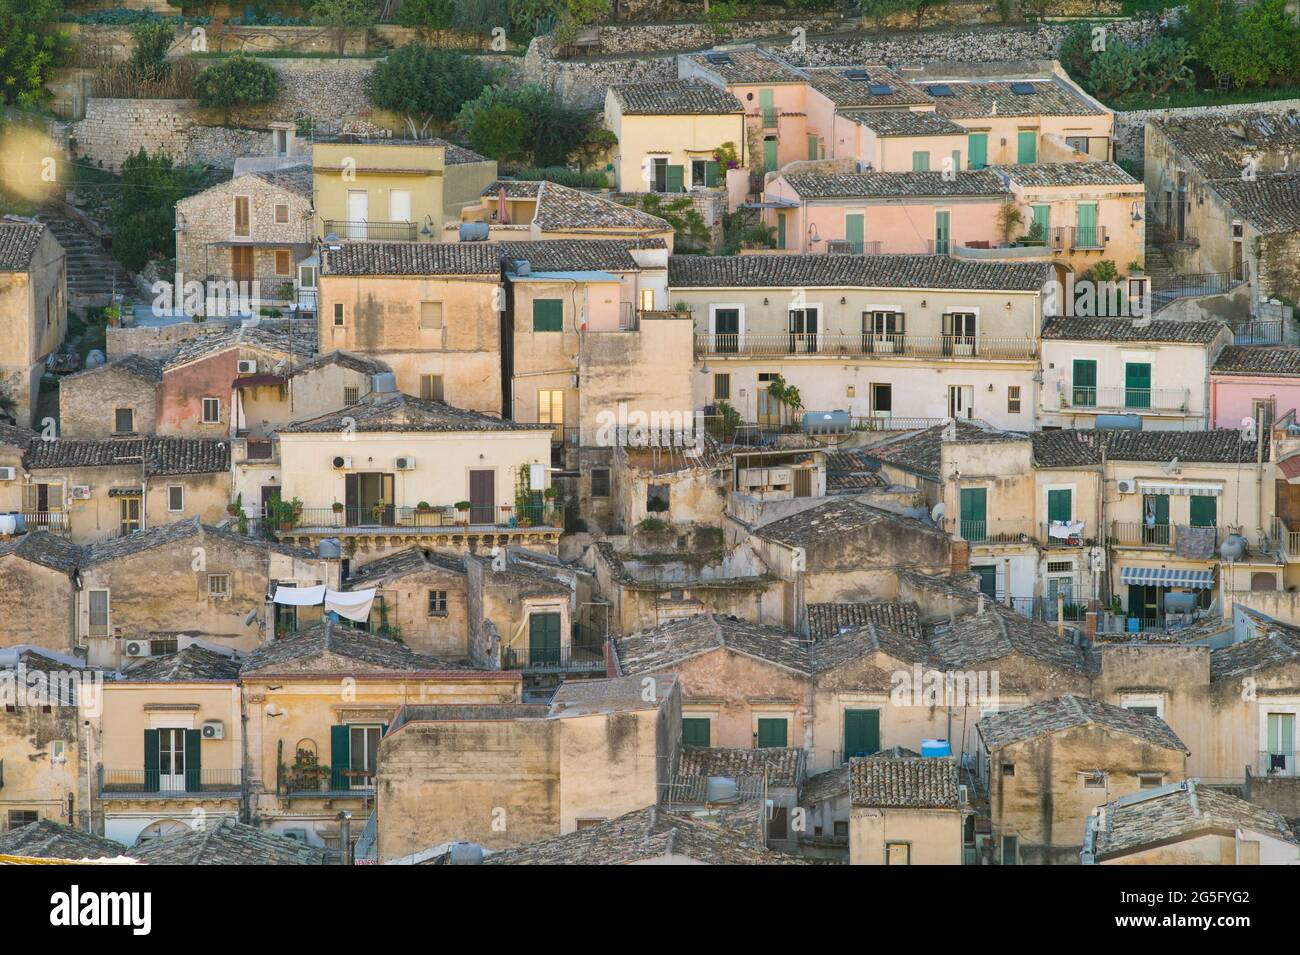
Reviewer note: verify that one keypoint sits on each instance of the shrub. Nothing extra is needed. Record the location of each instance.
(238, 81)
(553, 129)
(430, 84)
(29, 51)
(151, 40)
(430, 17)
(565, 177)
(143, 213)
(498, 132)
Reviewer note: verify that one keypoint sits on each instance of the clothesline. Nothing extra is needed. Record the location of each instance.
(353, 604)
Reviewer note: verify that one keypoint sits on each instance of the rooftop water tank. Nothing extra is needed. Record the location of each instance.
(473, 231)
(826, 422)
(1118, 422)
(935, 747)
(331, 549)
(1233, 548)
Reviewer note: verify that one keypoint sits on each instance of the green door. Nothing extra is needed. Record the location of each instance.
(695, 730)
(1204, 511)
(920, 161)
(712, 173)
(152, 774)
(941, 232)
(1087, 235)
(854, 231)
(193, 761)
(767, 103)
(974, 513)
(674, 178)
(1060, 505)
(769, 155)
(861, 733)
(988, 575)
(780, 230)
(977, 150)
(544, 639)
(1041, 222)
(813, 152)
(1085, 383)
(771, 733)
(1155, 518)
(1027, 146)
(340, 757)
(1137, 385)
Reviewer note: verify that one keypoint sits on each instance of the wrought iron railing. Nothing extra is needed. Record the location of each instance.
(325, 781)
(152, 782)
(867, 343)
(371, 230)
(1129, 399)
(549, 659)
(431, 516)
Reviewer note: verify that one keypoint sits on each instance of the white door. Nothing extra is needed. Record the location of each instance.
(399, 205)
(363, 753)
(961, 400)
(171, 760)
(358, 213)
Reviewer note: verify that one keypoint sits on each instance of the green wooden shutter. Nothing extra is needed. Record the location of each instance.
(854, 231)
(1059, 505)
(695, 730)
(193, 761)
(548, 315)
(1137, 385)
(920, 161)
(988, 575)
(1085, 383)
(780, 230)
(712, 173)
(1027, 146)
(941, 232)
(1087, 234)
(977, 150)
(1204, 510)
(675, 177)
(544, 639)
(340, 756)
(767, 104)
(974, 513)
(813, 152)
(771, 733)
(769, 155)
(1043, 219)
(152, 781)
(861, 733)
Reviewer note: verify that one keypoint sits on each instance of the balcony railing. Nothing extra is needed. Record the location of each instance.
(866, 344)
(1081, 238)
(1141, 534)
(406, 517)
(770, 117)
(1277, 762)
(992, 532)
(571, 659)
(153, 783)
(371, 230)
(1178, 285)
(56, 522)
(324, 781)
(1062, 534)
(1128, 399)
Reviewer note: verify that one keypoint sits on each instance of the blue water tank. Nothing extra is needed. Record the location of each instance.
(1119, 422)
(935, 747)
(473, 231)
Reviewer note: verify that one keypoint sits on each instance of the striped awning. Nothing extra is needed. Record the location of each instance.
(1194, 490)
(1167, 577)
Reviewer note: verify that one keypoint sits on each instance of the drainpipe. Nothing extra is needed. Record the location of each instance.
(345, 823)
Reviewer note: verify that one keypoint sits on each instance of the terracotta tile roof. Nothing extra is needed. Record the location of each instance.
(1174, 812)
(747, 65)
(1265, 361)
(1083, 447)
(382, 411)
(138, 366)
(894, 185)
(454, 154)
(852, 271)
(613, 695)
(836, 517)
(851, 471)
(832, 784)
(1068, 712)
(1218, 146)
(1065, 174)
(828, 619)
(645, 835)
(1125, 330)
(998, 633)
(332, 648)
(980, 99)
(837, 83)
(1277, 646)
(46, 839)
(48, 550)
(300, 340)
(560, 208)
(228, 843)
(782, 766)
(412, 560)
(662, 647)
(481, 258)
(193, 664)
(344, 359)
(920, 452)
(1270, 202)
(514, 188)
(885, 782)
(18, 242)
(15, 437)
(904, 122)
(296, 179)
(674, 97)
(834, 651)
(164, 535)
(156, 455)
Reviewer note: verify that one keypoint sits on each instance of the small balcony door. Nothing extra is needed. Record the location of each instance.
(241, 263)
(544, 639)
(369, 499)
(483, 497)
(1281, 744)
(171, 760)
(803, 330)
(358, 213)
(129, 515)
(363, 755)
(726, 330)
(959, 333)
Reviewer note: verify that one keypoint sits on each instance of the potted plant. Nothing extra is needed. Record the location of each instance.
(424, 507)
(337, 507)
(462, 511)
(377, 510)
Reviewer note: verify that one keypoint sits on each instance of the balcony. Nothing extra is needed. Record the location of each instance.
(1010, 531)
(324, 782)
(1287, 541)
(486, 518)
(769, 117)
(371, 230)
(1276, 763)
(1079, 238)
(56, 522)
(203, 783)
(1116, 398)
(1159, 536)
(571, 659)
(866, 344)
(1063, 534)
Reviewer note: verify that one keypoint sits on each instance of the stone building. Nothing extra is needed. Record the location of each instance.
(116, 399)
(33, 310)
(421, 598)
(38, 600)
(905, 810)
(516, 209)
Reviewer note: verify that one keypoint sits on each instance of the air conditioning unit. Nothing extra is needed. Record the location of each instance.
(80, 492)
(138, 648)
(8, 474)
(214, 729)
(246, 366)
(404, 464)
(341, 462)
(1126, 486)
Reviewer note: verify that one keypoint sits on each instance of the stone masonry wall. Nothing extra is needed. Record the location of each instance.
(1130, 126)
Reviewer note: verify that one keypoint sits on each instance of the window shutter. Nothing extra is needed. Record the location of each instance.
(351, 497)
(711, 173)
(900, 319)
(29, 497)
(675, 179)
(151, 780)
(193, 767)
(83, 613)
(56, 497)
(340, 756)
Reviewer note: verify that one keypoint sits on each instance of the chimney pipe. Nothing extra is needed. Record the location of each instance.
(345, 832)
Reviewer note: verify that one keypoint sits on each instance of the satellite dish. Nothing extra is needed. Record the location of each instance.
(938, 511)
(252, 616)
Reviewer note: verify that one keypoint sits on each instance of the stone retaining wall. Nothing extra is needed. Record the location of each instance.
(1130, 126)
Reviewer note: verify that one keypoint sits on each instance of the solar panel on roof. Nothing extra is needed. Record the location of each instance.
(859, 75)
(879, 89)
(1023, 89)
(939, 89)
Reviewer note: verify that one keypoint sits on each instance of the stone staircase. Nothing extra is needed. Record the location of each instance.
(93, 274)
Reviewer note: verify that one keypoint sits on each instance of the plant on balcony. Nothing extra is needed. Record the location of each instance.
(1036, 235)
(424, 507)
(284, 515)
(1103, 271)
(337, 507)
(463, 506)
(1010, 219)
(549, 494)
(726, 156)
(378, 509)
(306, 771)
(652, 525)
(786, 397)
(1136, 268)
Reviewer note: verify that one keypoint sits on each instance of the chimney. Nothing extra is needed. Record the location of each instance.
(1090, 626)
(503, 210)
(345, 835)
(959, 558)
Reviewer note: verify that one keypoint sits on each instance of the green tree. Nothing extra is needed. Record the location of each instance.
(553, 129)
(479, 17)
(1257, 45)
(143, 213)
(151, 41)
(430, 84)
(237, 81)
(529, 18)
(588, 11)
(342, 16)
(499, 132)
(430, 17)
(29, 51)
(919, 8)
(878, 11)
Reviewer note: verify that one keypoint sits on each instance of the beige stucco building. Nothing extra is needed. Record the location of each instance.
(905, 811)
(33, 310)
